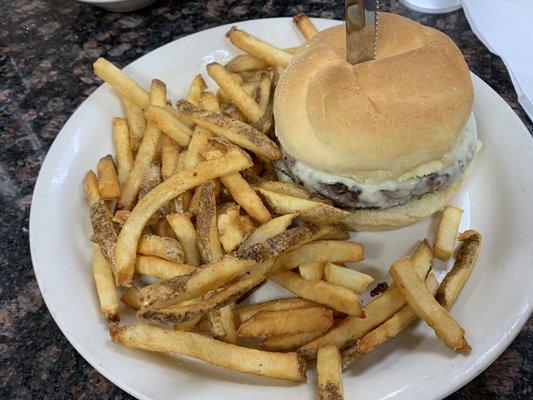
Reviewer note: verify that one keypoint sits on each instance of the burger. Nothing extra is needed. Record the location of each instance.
(389, 139)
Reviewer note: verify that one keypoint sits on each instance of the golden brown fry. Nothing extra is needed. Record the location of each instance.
(233, 228)
(147, 150)
(312, 271)
(291, 303)
(289, 342)
(121, 216)
(265, 89)
(335, 251)
(275, 365)
(426, 307)
(288, 188)
(163, 247)
(271, 228)
(236, 131)
(286, 322)
(255, 76)
(187, 326)
(349, 278)
(105, 286)
(130, 297)
(245, 62)
(90, 188)
(422, 259)
(169, 157)
(251, 88)
(212, 276)
(198, 85)
(105, 234)
(161, 268)
(304, 25)
(246, 197)
(227, 320)
(329, 374)
(151, 178)
(447, 232)
(121, 82)
(209, 102)
(121, 138)
(163, 229)
(258, 48)
(136, 122)
(166, 120)
(464, 263)
(335, 297)
(184, 229)
(206, 224)
(308, 210)
(198, 142)
(236, 93)
(108, 184)
(234, 160)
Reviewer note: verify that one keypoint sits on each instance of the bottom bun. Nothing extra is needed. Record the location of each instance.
(405, 214)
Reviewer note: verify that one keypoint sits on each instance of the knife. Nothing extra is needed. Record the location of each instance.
(361, 29)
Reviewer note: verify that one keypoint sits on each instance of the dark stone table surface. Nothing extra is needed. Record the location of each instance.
(46, 51)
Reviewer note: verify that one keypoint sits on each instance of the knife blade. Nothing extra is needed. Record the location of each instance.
(362, 17)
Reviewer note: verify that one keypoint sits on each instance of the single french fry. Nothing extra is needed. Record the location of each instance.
(308, 210)
(313, 271)
(335, 297)
(258, 48)
(169, 157)
(265, 89)
(447, 232)
(166, 120)
(275, 323)
(329, 374)
(289, 342)
(246, 197)
(136, 122)
(184, 229)
(271, 228)
(121, 82)
(90, 188)
(464, 263)
(121, 138)
(209, 102)
(426, 307)
(234, 160)
(288, 188)
(161, 268)
(227, 320)
(376, 312)
(291, 303)
(151, 178)
(233, 228)
(105, 286)
(108, 184)
(422, 259)
(198, 85)
(198, 142)
(104, 232)
(130, 297)
(187, 326)
(349, 278)
(335, 251)
(163, 247)
(387, 330)
(236, 131)
(251, 88)
(236, 93)
(258, 257)
(206, 224)
(121, 216)
(304, 25)
(226, 355)
(147, 150)
(162, 228)
(245, 62)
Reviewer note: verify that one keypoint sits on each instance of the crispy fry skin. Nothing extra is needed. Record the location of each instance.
(135, 122)
(329, 374)
(105, 286)
(206, 224)
(447, 232)
(163, 247)
(245, 62)
(105, 234)
(184, 229)
(121, 138)
(167, 121)
(304, 25)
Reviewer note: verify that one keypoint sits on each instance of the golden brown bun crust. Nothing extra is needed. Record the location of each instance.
(380, 119)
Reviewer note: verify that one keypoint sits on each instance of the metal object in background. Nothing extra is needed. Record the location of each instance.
(361, 29)
(432, 6)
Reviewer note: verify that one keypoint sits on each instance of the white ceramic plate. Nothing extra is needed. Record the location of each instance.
(494, 304)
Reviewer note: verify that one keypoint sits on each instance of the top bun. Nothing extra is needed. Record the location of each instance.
(388, 118)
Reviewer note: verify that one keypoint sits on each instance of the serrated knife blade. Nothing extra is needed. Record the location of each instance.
(362, 17)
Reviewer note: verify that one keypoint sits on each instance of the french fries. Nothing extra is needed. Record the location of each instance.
(209, 102)
(121, 138)
(136, 122)
(167, 122)
(288, 188)
(147, 150)
(258, 48)
(245, 62)
(243, 100)
(271, 228)
(246, 197)
(329, 374)
(275, 323)
(105, 286)
(104, 232)
(234, 160)
(121, 82)
(130, 297)
(447, 232)
(304, 25)
(90, 188)
(426, 307)
(236, 131)
(227, 320)
(183, 228)
(349, 278)
(163, 247)
(265, 89)
(108, 184)
(291, 303)
(289, 342)
(169, 157)
(287, 366)
(206, 224)
(335, 297)
(161, 268)
(198, 85)
(308, 210)
(312, 271)
(233, 228)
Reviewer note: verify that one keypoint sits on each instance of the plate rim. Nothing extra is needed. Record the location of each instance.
(465, 378)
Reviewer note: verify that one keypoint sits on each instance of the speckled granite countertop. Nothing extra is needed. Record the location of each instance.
(46, 51)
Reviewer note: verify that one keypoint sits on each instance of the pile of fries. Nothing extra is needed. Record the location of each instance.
(189, 218)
